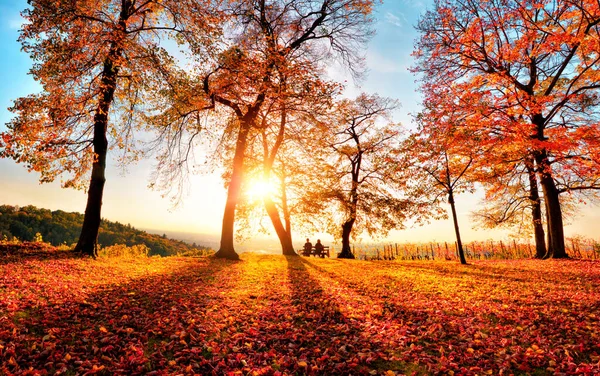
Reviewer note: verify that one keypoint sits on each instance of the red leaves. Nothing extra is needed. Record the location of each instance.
(269, 315)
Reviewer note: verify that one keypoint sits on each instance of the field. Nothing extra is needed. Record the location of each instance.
(272, 315)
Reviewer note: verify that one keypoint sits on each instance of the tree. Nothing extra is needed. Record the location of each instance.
(358, 180)
(268, 41)
(439, 160)
(534, 61)
(93, 59)
(283, 127)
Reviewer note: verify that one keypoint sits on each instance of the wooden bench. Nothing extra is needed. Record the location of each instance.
(313, 252)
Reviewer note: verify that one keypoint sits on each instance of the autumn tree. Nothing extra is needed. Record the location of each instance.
(357, 181)
(266, 42)
(283, 128)
(506, 170)
(283, 197)
(280, 159)
(534, 60)
(92, 59)
(439, 160)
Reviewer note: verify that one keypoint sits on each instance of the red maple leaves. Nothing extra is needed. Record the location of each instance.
(271, 315)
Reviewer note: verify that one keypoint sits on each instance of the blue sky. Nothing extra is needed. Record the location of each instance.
(127, 198)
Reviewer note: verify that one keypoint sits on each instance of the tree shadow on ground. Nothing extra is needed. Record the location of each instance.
(476, 316)
(10, 253)
(122, 328)
(360, 330)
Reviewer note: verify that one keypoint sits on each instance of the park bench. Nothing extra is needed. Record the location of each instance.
(314, 252)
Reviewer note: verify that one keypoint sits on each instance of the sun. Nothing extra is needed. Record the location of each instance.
(259, 189)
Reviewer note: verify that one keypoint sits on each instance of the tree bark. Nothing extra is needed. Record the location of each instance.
(346, 231)
(555, 228)
(556, 236)
(284, 236)
(87, 243)
(284, 204)
(347, 226)
(536, 212)
(227, 250)
(461, 253)
(283, 232)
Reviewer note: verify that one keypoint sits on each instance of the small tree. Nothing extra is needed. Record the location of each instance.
(438, 162)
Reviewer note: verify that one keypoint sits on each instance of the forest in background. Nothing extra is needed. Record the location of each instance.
(29, 223)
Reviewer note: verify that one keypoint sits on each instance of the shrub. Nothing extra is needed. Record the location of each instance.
(121, 250)
(196, 253)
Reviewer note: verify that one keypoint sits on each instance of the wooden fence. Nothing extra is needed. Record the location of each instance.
(477, 250)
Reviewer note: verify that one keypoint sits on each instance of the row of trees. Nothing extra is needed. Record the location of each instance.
(514, 88)
(509, 104)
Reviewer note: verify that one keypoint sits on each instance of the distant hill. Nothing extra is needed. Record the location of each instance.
(59, 227)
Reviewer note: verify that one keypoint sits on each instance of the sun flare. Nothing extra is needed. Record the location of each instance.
(259, 189)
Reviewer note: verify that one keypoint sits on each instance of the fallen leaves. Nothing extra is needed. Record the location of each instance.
(272, 315)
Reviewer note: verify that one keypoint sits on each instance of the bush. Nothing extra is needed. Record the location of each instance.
(121, 250)
(196, 253)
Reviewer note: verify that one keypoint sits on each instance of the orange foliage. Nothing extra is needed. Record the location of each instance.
(527, 73)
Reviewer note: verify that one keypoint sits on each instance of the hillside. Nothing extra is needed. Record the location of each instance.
(59, 227)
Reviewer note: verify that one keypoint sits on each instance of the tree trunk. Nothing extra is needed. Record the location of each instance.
(461, 253)
(556, 237)
(548, 234)
(285, 238)
(226, 249)
(284, 205)
(87, 242)
(536, 212)
(346, 231)
(283, 232)
(347, 226)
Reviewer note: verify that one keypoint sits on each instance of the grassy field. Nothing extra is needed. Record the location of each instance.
(272, 315)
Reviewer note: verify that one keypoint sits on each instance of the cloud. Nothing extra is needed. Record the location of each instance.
(15, 23)
(393, 19)
(379, 63)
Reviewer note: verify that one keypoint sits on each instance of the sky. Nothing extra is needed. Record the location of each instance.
(128, 199)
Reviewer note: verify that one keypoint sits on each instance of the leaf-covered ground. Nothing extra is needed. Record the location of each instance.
(272, 315)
